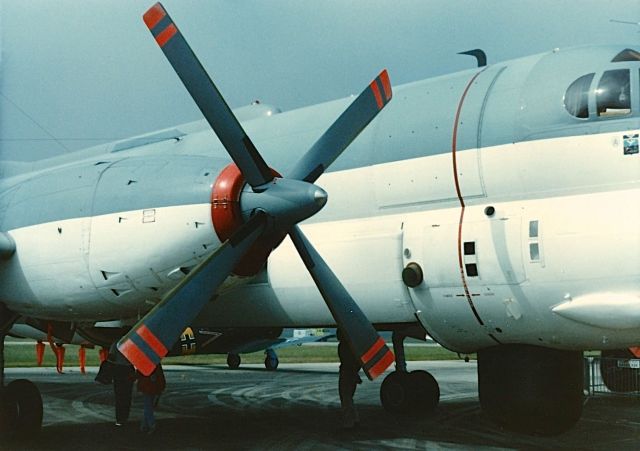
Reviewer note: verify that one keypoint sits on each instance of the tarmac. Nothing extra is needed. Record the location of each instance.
(297, 407)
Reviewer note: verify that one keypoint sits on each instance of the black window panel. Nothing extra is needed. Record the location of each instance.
(469, 248)
(534, 251)
(472, 269)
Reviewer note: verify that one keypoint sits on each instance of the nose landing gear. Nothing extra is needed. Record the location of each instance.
(415, 392)
(21, 409)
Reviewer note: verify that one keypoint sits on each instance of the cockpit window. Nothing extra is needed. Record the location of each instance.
(626, 55)
(613, 96)
(576, 99)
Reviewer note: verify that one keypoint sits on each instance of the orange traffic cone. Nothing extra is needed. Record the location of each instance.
(40, 352)
(82, 358)
(59, 351)
(103, 353)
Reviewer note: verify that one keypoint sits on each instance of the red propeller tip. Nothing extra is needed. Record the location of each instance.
(386, 84)
(154, 15)
(381, 365)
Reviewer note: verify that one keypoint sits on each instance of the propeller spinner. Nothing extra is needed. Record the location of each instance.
(276, 206)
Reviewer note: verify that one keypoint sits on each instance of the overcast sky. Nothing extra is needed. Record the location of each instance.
(75, 73)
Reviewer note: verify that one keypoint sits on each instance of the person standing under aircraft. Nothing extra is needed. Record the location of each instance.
(124, 375)
(348, 379)
(151, 387)
(123, 378)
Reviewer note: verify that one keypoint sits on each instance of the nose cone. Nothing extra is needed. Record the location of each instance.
(320, 196)
(285, 200)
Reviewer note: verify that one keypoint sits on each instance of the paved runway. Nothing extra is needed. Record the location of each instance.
(296, 407)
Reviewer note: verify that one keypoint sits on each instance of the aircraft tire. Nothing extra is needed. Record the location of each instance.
(531, 389)
(28, 402)
(233, 361)
(424, 392)
(395, 392)
(617, 379)
(271, 363)
(8, 415)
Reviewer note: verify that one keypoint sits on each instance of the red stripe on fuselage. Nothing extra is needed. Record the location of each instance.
(454, 140)
(154, 15)
(454, 144)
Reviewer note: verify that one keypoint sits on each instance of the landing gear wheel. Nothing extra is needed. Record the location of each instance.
(271, 363)
(8, 415)
(416, 392)
(395, 392)
(424, 390)
(26, 397)
(616, 372)
(233, 361)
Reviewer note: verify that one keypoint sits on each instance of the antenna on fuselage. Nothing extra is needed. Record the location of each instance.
(479, 55)
(627, 22)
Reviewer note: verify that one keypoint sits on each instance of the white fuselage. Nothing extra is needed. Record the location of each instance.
(534, 239)
(538, 250)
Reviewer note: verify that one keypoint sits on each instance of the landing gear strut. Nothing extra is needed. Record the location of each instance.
(414, 392)
(20, 401)
(271, 359)
(233, 361)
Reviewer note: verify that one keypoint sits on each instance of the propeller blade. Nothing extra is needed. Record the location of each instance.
(207, 97)
(344, 130)
(154, 335)
(363, 339)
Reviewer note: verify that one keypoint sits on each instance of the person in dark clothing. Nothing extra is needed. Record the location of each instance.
(123, 377)
(117, 370)
(348, 379)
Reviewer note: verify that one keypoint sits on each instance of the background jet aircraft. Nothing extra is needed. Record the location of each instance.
(464, 209)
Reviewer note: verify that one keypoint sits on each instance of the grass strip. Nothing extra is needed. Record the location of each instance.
(24, 355)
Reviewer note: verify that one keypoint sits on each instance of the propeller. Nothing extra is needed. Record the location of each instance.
(152, 338)
(276, 206)
(344, 130)
(363, 339)
(207, 97)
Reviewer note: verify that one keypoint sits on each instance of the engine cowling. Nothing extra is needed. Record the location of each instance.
(227, 217)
